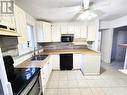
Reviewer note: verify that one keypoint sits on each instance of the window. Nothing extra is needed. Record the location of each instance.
(30, 36)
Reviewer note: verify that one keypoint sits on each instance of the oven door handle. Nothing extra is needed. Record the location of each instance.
(30, 85)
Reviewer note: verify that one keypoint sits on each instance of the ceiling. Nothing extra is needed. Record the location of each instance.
(65, 10)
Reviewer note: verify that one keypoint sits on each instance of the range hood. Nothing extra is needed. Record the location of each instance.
(8, 31)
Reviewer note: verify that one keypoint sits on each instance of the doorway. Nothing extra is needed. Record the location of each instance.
(118, 53)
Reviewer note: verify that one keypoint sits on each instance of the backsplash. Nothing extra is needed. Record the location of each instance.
(9, 45)
(60, 45)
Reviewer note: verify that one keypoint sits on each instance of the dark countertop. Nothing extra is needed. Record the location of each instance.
(23, 77)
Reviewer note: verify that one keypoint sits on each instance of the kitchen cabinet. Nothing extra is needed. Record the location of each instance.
(56, 35)
(77, 59)
(77, 31)
(64, 28)
(55, 61)
(90, 64)
(47, 31)
(45, 74)
(21, 25)
(8, 20)
(71, 28)
(92, 30)
(43, 31)
(40, 33)
(83, 31)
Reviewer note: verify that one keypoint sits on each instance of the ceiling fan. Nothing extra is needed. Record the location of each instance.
(88, 10)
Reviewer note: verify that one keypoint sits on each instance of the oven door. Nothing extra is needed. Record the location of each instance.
(34, 87)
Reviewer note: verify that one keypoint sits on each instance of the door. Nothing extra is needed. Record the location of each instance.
(66, 61)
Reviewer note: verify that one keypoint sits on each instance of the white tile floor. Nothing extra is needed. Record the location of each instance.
(110, 82)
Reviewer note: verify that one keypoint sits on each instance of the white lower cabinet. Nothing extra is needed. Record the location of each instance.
(77, 59)
(55, 61)
(45, 74)
(91, 64)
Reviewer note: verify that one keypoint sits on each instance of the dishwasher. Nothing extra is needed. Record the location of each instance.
(66, 61)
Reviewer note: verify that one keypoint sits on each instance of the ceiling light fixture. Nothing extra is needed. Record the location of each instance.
(85, 4)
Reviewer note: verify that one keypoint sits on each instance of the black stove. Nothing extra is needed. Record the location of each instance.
(19, 77)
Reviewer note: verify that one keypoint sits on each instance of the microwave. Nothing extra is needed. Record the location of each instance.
(67, 37)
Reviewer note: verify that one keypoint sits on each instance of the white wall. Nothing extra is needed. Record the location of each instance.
(119, 22)
(105, 25)
(106, 45)
(122, 21)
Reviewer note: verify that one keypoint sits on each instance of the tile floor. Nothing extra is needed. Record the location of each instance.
(117, 64)
(110, 82)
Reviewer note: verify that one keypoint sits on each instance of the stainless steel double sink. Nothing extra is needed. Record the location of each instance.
(39, 57)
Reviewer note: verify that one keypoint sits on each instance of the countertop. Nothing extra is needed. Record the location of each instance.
(123, 45)
(74, 51)
(40, 64)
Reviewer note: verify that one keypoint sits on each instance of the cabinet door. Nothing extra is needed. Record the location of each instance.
(91, 64)
(83, 31)
(77, 31)
(55, 61)
(43, 31)
(64, 28)
(47, 31)
(77, 59)
(39, 33)
(92, 30)
(71, 28)
(21, 25)
(56, 33)
(45, 74)
(43, 78)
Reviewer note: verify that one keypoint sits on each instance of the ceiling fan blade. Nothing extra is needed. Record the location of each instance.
(77, 15)
(98, 12)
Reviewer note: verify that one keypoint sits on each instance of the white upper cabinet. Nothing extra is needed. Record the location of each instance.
(71, 28)
(21, 25)
(64, 28)
(83, 31)
(93, 27)
(77, 31)
(43, 31)
(47, 31)
(8, 20)
(39, 33)
(56, 33)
